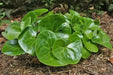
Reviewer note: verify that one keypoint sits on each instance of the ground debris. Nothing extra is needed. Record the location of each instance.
(110, 60)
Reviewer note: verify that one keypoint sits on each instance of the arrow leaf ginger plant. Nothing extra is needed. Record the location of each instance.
(56, 39)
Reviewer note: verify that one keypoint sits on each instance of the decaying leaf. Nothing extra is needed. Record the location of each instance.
(110, 60)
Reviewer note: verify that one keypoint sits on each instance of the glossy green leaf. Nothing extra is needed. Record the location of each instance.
(63, 28)
(12, 31)
(57, 24)
(27, 40)
(89, 34)
(50, 13)
(102, 38)
(68, 16)
(76, 37)
(80, 23)
(69, 53)
(12, 49)
(44, 44)
(72, 12)
(76, 23)
(26, 23)
(40, 12)
(87, 21)
(51, 22)
(63, 31)
(85, 53)
(90, 46)
(29, 19)
(96, 22)
(13, 42)
(92, 26)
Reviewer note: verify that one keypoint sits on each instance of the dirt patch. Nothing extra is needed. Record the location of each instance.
(97, 64)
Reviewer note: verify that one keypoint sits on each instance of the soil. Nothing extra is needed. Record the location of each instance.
(98, 64)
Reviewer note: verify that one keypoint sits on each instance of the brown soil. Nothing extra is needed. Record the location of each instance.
(97, 64)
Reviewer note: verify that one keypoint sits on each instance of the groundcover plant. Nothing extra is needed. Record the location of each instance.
(56, 39)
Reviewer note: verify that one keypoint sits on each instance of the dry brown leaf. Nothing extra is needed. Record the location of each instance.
(91, 8)
(111, 60)
(2, 40)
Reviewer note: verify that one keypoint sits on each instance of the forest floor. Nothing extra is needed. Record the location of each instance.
(100, 63)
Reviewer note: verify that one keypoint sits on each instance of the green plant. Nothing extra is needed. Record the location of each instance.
(86, 7)
(48, 2)
(2, 15)
(11, 7)
(56, 39)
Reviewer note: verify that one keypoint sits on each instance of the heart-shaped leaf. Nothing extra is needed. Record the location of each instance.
(12, 49)
(27, 40)
(57, 24)
(51, 22)
(90, 46)
(44, 44)
(12, 31)
(68, 52)
(39, 12)
(29, 20)
(102, 38)
(32, 15)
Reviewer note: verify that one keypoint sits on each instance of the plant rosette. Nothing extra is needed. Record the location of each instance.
(56, 39)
